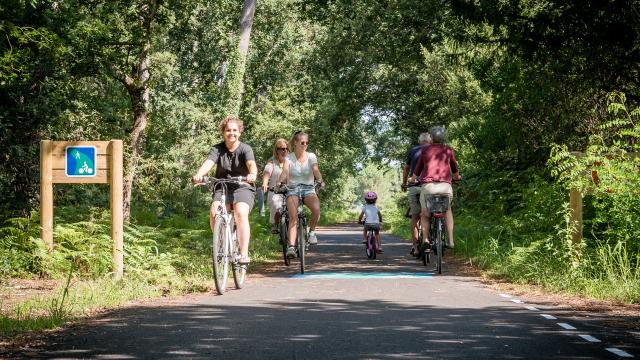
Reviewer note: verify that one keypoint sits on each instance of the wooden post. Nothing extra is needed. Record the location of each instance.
(575, 203)
(107, 169)
(46, 193)
(115, 182)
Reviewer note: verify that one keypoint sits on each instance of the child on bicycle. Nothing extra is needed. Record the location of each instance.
(371, 218)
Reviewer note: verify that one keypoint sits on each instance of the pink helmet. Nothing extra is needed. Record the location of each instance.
(370, 196)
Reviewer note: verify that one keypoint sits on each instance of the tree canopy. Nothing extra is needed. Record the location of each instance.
(507, 78)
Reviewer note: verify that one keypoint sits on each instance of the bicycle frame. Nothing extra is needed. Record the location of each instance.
(437, 226)
(302, 240)
(226, 247)
(371, 245)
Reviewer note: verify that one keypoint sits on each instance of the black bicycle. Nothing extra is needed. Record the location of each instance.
(225, 244)
(438, 205)
(302, 231)
(283, 224)
(420, 249)
(423, 248)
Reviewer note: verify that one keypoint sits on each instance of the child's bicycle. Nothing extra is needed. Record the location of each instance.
(371, 245)
(225, 244)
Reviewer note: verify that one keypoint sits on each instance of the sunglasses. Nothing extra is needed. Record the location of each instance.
(304, 143)
(283, 149)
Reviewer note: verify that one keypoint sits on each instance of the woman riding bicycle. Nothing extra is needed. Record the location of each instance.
(233, 158)
(271, 174)
(434, 171)
(301, 168)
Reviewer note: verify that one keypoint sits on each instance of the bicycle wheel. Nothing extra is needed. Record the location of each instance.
(302, 244)
(439, 245)
(220, 256)
(423, 255)
(284, 238)
(374, 245)
(239, 271)
(369, 246)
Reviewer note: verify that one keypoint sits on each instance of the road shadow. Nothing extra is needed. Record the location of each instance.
(340, 249)
(313, 329)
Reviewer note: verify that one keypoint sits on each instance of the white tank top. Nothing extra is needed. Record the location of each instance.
(370, 214)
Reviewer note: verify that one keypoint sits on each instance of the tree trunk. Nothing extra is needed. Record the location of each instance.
(246, 22)
(137, 84)
(235, 83)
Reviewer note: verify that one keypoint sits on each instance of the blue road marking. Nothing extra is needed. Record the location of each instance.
(361, 275)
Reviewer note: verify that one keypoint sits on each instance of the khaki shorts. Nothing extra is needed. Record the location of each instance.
(429, 189)
(413, 195)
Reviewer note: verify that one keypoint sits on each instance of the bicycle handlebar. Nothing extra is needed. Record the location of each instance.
(229, 180)
(406, 186)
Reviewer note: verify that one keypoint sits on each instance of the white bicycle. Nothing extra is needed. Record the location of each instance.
(225, 244)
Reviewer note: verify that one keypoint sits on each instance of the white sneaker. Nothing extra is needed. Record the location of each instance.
(312, 238)
(291, 252)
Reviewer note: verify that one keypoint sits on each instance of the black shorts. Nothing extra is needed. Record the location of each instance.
(245, 194)
(374, 227)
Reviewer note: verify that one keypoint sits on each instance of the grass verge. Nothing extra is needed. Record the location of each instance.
(163, 257)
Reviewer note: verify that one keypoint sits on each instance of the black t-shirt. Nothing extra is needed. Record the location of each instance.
(231, 163)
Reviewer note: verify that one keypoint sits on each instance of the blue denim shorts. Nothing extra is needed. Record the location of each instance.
(305, 192)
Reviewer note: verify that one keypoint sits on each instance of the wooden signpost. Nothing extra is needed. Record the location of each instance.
(575, 202)
(83, 162)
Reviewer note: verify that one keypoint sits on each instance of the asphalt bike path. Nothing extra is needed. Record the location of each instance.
(344, 307)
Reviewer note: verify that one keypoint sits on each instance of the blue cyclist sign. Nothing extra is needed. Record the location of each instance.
(81, 161)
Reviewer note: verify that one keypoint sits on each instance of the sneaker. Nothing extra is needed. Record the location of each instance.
(312, 238)
(291, 252)
(413, 251)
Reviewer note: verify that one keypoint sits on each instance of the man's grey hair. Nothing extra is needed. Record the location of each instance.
(425, 137)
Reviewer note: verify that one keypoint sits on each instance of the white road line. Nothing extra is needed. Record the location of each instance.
(505, 296)
(566, 326)
(589, 338)
(548, 317)
(517, 301)
(532, 308)
(620, 352)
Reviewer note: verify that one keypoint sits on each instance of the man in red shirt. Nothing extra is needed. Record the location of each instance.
(435, 170)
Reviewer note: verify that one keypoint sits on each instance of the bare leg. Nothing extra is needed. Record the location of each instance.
(292, 207)
(450, 227)
(424, 220)
(241, 214)
(313, 203)
(415, 219)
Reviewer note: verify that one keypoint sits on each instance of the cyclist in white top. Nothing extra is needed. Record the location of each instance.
(270, 176)
(371, 217)
(301, 167)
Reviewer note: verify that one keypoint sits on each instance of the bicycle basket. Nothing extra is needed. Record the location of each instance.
(438, 203)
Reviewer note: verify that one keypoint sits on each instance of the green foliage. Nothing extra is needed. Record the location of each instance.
(18, 244)
(610, 172)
